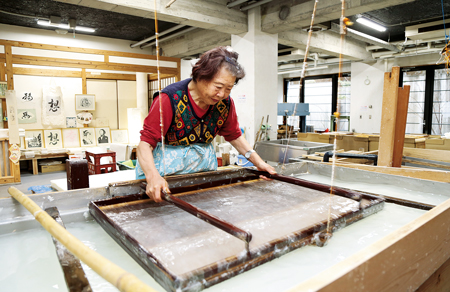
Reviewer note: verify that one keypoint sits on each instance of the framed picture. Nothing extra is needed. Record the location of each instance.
(71, 138)
(119, 136)
(53, 138)
(71, 122)
(3, 88)
(87, 137)
(34, 139)
(103, 135)
(85, 102)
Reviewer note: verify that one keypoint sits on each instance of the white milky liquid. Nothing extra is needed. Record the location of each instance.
(400, 191)
(29, 262)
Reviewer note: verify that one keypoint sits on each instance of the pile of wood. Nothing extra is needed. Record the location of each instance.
(282, 129)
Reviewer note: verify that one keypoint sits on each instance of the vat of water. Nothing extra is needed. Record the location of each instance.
(28, 252)
(285, 149)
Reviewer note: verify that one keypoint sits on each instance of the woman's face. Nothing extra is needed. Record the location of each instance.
(211, 92)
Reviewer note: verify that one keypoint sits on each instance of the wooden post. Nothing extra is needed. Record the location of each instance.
(2, 72)
(83, 81)
(9, 68)
(388, 117)
(400, 125)
(3, 100)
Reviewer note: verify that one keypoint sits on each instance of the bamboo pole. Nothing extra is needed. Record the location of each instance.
(121, 279)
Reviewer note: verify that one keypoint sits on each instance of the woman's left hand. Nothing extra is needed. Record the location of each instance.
(266, 167)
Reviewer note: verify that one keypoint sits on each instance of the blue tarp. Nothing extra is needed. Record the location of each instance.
(41, 189)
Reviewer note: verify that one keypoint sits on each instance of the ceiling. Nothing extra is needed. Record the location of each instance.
(136, 28)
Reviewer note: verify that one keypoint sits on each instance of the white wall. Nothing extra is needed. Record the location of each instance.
(186, 68)
(126, 94)
(364, 119)
(366, 99)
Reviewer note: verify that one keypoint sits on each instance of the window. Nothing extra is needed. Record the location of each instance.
(318, 95)
(323, 94)
(429, 100)
(153, 87)
(441, 103)
(416, 105)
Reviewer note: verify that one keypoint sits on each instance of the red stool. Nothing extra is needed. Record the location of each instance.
(96, 167)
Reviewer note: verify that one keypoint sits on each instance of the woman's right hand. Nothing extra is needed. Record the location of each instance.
(154, 187)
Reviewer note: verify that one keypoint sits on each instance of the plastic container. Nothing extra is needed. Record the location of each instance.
(126, 165)
(242, 161)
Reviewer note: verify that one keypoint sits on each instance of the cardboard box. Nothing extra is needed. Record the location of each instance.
(52, 168)
(411, 141)
(350, 142)
(437, 143)
(313, 137)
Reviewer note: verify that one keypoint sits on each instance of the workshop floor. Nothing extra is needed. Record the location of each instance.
(29, 180)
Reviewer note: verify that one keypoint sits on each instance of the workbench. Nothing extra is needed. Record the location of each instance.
(34, 160)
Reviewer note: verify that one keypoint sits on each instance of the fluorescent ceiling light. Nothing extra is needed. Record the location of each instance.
(64, 26)
(83, 28)
(300, 69)
(370, 23)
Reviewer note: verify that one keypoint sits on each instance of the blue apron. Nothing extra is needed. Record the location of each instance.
(182, 159)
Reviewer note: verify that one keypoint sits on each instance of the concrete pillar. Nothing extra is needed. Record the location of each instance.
(142, 93)
(256, 95)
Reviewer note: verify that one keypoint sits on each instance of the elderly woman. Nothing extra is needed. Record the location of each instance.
(194, 112)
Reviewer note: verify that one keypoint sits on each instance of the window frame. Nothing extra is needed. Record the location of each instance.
(334, 92)
(429, 92)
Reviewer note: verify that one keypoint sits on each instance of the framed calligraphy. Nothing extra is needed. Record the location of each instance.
(26, 116)
(53, 138)
(52, 105)
(85, 102)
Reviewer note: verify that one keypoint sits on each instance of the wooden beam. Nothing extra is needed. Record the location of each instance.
(388, 117)
(414, 172)
(426, 163)
(74, 74)
(401, 261)
(400, 125)
(69, 63)
(2, 71)
(46, 72)
(430, 154)
(110, 76)
(83, 50)
(83, 81)
(9, 67)
(154, 77)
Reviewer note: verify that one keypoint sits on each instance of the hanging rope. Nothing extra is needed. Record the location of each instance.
(344, 21)
(302, 75)
(443, 18)
(159, 90)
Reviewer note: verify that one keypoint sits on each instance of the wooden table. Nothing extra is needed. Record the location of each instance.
(41, 156)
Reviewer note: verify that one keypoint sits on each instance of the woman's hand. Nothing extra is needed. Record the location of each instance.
(262, 166)
(154, 187)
